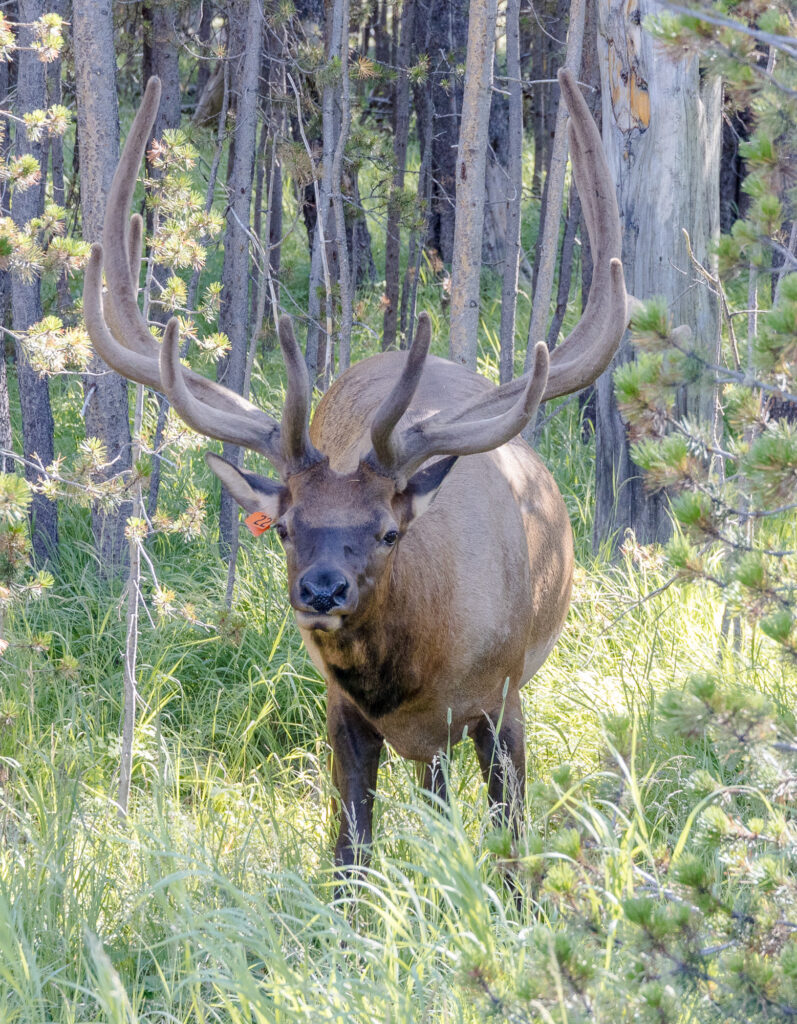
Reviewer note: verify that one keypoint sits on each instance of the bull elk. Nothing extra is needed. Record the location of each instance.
(429, 552)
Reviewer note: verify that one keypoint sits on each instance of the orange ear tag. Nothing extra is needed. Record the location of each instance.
(258, 522)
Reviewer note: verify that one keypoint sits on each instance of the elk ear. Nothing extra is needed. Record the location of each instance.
(252, 492)
(422, 487)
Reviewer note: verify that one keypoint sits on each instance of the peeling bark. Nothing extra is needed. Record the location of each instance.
(661, 124)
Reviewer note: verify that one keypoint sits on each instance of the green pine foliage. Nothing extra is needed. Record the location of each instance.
(731, 469)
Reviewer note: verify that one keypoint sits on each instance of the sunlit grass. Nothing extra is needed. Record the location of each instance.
(214, 902)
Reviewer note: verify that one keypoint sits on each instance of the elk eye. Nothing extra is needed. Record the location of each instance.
(390, 537)
(282, 531)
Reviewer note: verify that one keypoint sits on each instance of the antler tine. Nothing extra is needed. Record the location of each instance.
(135, 248)
(199, 415)
(117, 265)
(260, 433)
(298, 450)
(140, 368)
(395, 405)
(427, 438)
(119, 332)
(589, 347)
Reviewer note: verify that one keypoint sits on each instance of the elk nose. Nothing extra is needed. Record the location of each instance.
(323, 589)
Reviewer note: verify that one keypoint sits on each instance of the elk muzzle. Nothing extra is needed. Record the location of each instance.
(324, 590)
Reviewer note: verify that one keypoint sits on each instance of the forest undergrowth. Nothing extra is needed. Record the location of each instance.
(658, 759)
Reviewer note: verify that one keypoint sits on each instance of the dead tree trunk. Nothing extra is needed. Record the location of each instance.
(509, 283)
(107, 416)
(471, 161)
(26, 307)
(245, 34)
(661, 123)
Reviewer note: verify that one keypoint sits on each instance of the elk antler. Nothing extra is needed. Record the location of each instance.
(402, 455)
(588, 349)
(121, 337)
(395, 405)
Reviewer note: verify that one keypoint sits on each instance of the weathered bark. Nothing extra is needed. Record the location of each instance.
(26, 307)
(107, 416)
(401, 128)
(442, 27)
(245, 34)
(471, 162)
(661, 124)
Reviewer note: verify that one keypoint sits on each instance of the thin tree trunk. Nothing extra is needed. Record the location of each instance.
(341, 44)
(661, 127)
(191, 299)
(591, 78)
(34, 396)
(409, 289)
(160, 58)
(471, 159)
(203, 35)
(565, 267)
(107, 416)
(555, 182)
(443, 34)
(401, 128)
(54, 97)
(509, 283)
(245, 36)
(6, 437)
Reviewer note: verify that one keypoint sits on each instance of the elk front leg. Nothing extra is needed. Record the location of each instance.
(501, 751)
(356, 747)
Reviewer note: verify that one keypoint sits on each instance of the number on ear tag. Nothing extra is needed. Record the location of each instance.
(258, 522)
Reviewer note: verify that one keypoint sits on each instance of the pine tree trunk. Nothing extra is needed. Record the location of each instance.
(161, 59)
(107, 416)
(470, 171)
(26, 306)
(401, 128)
(661, 124)
(442, 33)
(512, 247)
(6, 438)
(246, 32)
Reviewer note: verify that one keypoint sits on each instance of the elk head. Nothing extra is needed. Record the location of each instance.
(341, 531)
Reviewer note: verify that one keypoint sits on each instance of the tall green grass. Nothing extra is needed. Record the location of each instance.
(214, 902)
